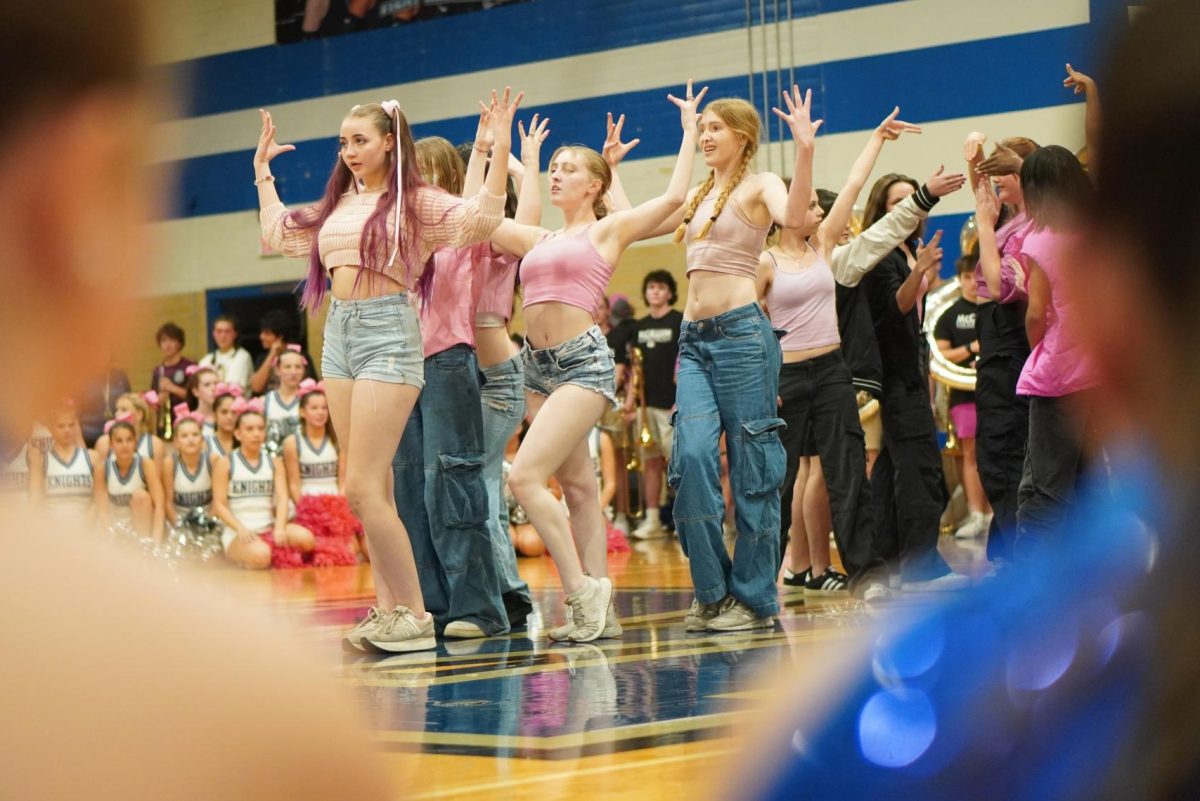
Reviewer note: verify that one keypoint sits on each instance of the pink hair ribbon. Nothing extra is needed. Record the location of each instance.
(123, 417)
(308, 385)
(227, 389)
(192, 369)
(241, 405)
(150, 397)
(392, 109)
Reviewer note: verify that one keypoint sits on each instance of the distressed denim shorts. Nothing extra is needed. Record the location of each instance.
(584, 361)
(377, 339)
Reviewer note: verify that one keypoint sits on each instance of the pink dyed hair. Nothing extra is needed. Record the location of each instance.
(375, 244)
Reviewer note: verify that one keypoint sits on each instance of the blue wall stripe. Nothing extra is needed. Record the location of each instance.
(933, 84)
(540, 30)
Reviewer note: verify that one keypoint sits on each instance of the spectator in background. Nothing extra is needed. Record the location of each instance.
(232, 363)
(170, 377)
(275, 331)
(98, 402)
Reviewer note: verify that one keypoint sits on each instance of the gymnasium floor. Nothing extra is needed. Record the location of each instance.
(655, 714)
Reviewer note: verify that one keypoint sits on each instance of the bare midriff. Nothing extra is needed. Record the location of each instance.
(373, 284)
(549, 324)
(792, 356)
(711, 294)
(493, 346)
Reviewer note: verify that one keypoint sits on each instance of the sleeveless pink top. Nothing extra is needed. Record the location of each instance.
(803, 303)
(732, 246)
(565, 268)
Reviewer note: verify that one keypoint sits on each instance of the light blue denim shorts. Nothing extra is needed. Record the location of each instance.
(377, 339)
(584, 361)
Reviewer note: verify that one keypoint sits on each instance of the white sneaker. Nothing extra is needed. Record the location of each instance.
(589, 608)
(612, 627)
(877, 592)
(588, 670)
(355, 641)
(648, 529)
(951, 582)
(403, 631)
(974, 526)
(736, 616)
(463, 630)
(699, 615)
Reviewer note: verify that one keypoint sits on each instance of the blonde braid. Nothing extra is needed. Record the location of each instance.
(701, 193)
(722, 198)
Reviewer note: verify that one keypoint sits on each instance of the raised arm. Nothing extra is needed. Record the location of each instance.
(929, 256)
(273, 215)
(477, 164)
(1083, 84)
(614, 153)
(839, 215)
(641, 221)
(788, 207)
(529, 191)
(987, 212)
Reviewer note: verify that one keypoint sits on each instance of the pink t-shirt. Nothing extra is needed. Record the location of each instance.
(1010, 239)
(448, 315)
(1058, 365)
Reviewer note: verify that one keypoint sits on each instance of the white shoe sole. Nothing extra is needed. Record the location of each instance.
(404, 646)
(606, 593)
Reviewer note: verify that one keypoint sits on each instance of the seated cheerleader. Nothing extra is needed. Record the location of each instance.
(202, 391)
(311, 456)
(220, 441)
(127, 487)
(17, 467)
(250, 495)
(64, 486)
(281, 407)
(135, 408)
(187, 481)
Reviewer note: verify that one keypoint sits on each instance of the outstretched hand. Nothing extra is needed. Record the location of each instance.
(1004, 161)
(929, 255)
(942, 183)
(799, 116)
(268, 148)
(1078, 81)
(531, 141)
(500, 116)
(987, 205)
(614, 149)
(891, 128)
(689, 108)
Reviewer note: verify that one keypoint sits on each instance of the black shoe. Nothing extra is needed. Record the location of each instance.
(796, 579)
(830, 582)
(518, 606)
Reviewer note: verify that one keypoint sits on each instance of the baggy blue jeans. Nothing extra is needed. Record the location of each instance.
(503, 408)
(728, 382)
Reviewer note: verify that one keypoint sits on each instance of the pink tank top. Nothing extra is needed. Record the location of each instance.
(732, 246)
(499, 280)
(565, 268)
(803, 303)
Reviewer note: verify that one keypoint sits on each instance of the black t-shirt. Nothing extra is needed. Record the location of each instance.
(659, 341)
(957, 324)
(898, 334)
(619, 340)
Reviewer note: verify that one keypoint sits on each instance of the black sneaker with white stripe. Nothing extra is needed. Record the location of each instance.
(830, 582)
(791, 579)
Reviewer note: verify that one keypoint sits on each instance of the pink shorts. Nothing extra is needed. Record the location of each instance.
(963, 416)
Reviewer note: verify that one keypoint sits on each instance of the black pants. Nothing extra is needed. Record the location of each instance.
(908, 487)
(1054, 463)
(818, 397)
(1003, 416)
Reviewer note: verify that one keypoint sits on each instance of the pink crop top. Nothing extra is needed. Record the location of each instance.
(565, 268)
(447, 316)
(446, 221)
(803, 303)
(498, 277)
(732, 246)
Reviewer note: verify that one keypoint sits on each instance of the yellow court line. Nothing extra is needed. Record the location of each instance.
(562, 741)
(566, 775)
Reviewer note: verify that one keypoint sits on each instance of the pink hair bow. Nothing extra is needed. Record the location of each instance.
(241, 405)
(191, 370)
(150, 397)
(182, 412)
(392, 109)
(227, 389)
(292, 348)
(308, 385)
(123, 417)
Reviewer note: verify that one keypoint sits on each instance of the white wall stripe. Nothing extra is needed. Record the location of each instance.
(875, 30)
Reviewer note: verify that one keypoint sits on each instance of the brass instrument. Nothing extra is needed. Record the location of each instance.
(942, 369)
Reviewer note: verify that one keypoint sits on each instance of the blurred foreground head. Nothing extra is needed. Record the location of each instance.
(1139, 264)
(74, 140)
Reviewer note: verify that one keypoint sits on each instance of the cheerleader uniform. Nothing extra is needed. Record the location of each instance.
(121, 487)
(193, 490)
(14, 473)
(282, 419)
(69, 485)
(318, 466)
(251, 495)
(214, 444)
(145, 447)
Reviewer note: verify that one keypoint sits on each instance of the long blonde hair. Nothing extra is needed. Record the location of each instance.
(743, 120)
(598, 168)
(440, 164)
(148, 423)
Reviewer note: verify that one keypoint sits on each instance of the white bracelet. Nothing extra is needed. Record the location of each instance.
(264, 179)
